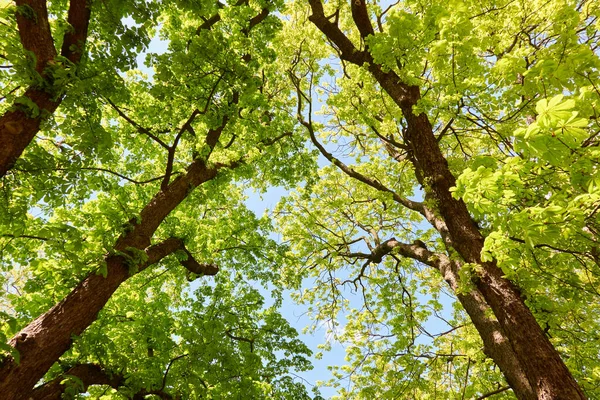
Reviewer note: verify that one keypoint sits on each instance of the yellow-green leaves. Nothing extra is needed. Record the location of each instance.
(556, 115)
(555, 134)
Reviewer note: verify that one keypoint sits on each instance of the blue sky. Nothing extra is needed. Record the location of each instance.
(294, 313)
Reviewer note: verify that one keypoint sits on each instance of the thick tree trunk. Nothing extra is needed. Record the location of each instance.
(544, 368)
(42, 342)
(19, 126)
(496, 344)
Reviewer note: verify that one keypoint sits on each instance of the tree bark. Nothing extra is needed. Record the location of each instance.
(495, 342)
(43, 341)
(18, 126)
(88, 374)
(545, 370)
(542, 364)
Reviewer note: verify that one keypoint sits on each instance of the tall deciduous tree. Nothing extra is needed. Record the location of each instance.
(466, 168)
(109, 227)
(425, 92)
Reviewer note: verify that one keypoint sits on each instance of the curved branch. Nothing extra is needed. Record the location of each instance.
(137, 126)
(89, 375)
(101, 170)
(164, 382)
(198, 268)
(374, 183)
(490, 394)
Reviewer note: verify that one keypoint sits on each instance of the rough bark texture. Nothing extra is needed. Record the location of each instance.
(18, 126)
(545, 371)
(542, 363)
(496, 344)
(42, 342)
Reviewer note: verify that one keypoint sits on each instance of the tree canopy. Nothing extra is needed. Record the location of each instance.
(441, 217)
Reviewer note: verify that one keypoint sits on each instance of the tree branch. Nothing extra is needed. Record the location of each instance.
(208, 24)
(8, 235)
(374, 183)
(34, 31)
(89, 375)
(172, 149)
(74, 39)
(159, 251)
(257, 19)
(18, 126)
(360, 15)
(490, 394)
(139, 128)
(416, 251)
(240, 339)
(164, 381)
(97, 169)
(346, 48)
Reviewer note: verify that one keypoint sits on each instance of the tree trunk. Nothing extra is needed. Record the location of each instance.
(43, 341)
(542, 364)
(496, 344)
(545, 370)
(18, 128)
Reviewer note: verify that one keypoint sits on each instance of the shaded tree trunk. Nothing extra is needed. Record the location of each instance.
(496, 344)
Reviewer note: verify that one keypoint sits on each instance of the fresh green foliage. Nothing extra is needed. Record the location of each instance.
(512, 89)
(102, 157)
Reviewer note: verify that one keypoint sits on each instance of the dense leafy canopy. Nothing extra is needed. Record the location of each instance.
(135, 188)
(94, 167)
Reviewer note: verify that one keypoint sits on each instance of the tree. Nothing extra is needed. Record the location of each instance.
(467, 154)
(425, 92)
(135, 189)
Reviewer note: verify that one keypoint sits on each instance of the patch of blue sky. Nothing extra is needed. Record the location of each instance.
(296, 314)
